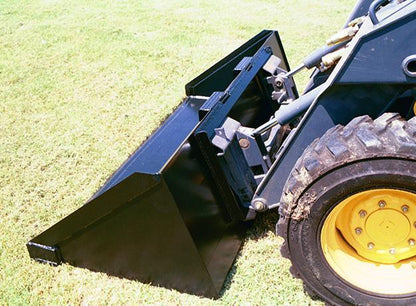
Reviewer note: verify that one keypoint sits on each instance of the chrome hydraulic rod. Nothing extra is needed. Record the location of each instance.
(288, 113)
(315, 58)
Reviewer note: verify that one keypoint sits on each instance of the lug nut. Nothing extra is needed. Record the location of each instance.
(412, 242)
(358, 230)
(381, 204)
(362, 213)
(405, 208)
(392, 251)
(370, 245)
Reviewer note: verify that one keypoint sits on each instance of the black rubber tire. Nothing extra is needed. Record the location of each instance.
(363, 155)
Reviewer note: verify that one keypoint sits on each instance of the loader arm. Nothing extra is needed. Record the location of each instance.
(361, 83)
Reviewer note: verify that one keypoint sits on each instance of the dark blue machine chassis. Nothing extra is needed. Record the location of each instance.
(173, 214)
(369, 79)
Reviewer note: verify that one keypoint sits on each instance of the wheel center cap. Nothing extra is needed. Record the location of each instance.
(387, 226)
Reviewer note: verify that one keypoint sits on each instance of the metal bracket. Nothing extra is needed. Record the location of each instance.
(283, 85)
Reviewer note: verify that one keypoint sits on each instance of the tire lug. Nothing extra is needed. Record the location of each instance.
(363, 213)
(405, 208)
(358, 230)
(412, 242)
(370, 245)
(381, 204)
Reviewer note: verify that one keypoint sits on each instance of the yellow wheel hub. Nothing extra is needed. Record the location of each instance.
(369, 240)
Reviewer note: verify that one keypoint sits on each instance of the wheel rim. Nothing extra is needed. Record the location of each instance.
(369, 240)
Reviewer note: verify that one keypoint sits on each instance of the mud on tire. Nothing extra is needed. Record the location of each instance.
(364, 155)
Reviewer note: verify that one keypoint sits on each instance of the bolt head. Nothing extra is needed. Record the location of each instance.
(412, 242)
(358, 230)
(381, 204)
(279, 83)
(244, 143)
(258, 205)
(392, 251)
(370, 245)
(362, 213)
(405, 208)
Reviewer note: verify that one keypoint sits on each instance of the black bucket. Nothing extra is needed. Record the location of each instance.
(168, 215)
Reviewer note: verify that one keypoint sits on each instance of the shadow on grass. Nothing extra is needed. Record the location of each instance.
(259, 229)
(263, 225)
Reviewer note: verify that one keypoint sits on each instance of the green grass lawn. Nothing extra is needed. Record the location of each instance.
(82, 84)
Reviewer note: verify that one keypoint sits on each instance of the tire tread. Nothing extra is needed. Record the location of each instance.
(362, 138)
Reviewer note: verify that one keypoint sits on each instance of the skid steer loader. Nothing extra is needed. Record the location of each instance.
(338, 162)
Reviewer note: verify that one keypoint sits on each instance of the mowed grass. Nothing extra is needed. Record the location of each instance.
(82, 84)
